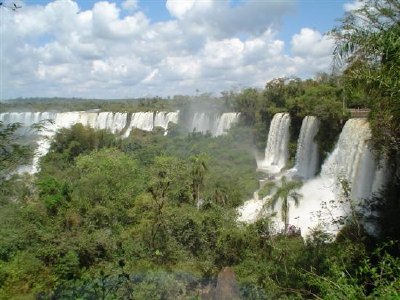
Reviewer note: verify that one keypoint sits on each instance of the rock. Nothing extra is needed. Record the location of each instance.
(227, 287)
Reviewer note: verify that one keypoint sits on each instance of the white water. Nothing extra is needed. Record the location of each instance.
(115, 122)
(276, 151)
(251, 210)
(140, 120)
(201, 122)
(225, 122)
(119, 123)
(307, 149)
(162, 119)
(216, 125)
(352, 161)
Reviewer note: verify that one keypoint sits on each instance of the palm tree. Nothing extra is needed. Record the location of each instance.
(199, 170)
(285, 192)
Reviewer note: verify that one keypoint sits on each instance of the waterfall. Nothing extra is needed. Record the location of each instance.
(141, 120)
(26, 119)
(225, 122)
(216, 125)
(201, 123)
(351, 160)
(162, 119)
(276, 152)
(307, 150)
(115, 122)
(66, 119)
(119, 123)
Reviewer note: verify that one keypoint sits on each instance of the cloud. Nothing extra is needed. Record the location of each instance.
(312, 43)
(311, 51)
(130, 5)
(109, 52)
(220, 19)
(108, 25)
(350, 6)
(178, 8)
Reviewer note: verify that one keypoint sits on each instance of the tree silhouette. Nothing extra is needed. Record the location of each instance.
(285, 192)
(199, 170)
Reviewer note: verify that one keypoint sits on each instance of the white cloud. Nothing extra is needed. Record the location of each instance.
(350, 6)
(178, 8)
(312, 51)
(108, 25)
(130, 5)
(62, 50)
(218, 19)
(310, 42)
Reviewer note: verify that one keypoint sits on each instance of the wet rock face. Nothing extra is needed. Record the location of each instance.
(227, 287)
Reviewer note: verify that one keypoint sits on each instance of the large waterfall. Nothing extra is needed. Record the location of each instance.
(276, 152)
(225, 122)
(115, 122)
(350, 164)
(162, 119)
(119, 123)
(215, 124)
(307, 149)
(141, 120)
(351, 161)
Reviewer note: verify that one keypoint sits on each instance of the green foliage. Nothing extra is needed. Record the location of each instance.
(322, 97)
(198, 172)
(367, 45)
(52, 193)
(154, 217)
(79, 139)
(284, 192)
(121, 222)
(266, 189)
(12, 153)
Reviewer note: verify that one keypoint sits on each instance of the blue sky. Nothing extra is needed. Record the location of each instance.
(134, 48)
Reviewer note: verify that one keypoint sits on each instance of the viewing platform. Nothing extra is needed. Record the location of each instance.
(359, 112)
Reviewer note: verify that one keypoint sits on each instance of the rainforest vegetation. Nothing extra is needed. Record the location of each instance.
(155, 217)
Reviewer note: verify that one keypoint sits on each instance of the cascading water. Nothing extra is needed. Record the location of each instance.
(352, 161)
(162, 119)
(201, 123)
(26, 119)
(224, 123)
(216, 125)
(276, 152)
(115, 122)
(141, 120)
(307, 149)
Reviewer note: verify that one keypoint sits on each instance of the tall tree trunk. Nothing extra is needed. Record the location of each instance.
(285, 214)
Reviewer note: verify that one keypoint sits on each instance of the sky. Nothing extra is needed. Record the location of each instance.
(144, 48)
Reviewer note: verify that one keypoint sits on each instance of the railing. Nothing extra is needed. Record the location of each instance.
(359, 112)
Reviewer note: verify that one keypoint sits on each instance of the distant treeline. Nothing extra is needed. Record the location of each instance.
(203, 102)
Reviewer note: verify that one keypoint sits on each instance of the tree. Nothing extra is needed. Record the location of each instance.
(284, 192)
(199, 170)
(368, 47)
(12, 153)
